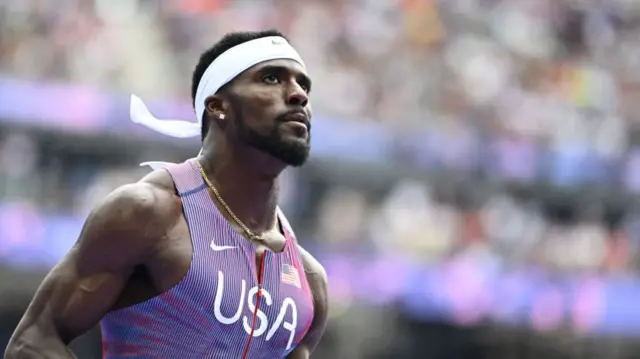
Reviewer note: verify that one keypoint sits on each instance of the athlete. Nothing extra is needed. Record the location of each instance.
(196, 260)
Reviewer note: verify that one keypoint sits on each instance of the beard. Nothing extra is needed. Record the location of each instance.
(292, 152)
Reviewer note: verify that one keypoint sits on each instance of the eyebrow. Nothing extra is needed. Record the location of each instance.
(301, 77)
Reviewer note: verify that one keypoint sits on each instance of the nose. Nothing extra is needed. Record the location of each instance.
(297, 97)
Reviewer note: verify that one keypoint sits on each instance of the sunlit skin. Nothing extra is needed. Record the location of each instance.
(136, 244)
(245, 152)
(266, 127)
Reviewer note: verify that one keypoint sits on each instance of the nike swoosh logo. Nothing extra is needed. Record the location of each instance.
(218, 248)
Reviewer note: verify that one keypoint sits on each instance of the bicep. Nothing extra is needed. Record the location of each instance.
(70, 302)
(78, 291)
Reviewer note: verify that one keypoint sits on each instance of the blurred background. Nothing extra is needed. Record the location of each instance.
(473, 191)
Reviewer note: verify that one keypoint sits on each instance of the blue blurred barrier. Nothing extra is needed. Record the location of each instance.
(469, 290)
(85, 110)
(465, 289)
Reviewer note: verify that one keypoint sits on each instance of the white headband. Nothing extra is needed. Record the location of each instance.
(222, 70)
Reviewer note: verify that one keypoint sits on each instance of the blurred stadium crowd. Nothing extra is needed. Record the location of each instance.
(532, 76)
(528, 115)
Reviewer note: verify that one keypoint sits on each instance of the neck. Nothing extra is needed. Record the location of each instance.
(248, 184)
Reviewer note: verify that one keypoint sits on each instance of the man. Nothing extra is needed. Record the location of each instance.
(196, 260)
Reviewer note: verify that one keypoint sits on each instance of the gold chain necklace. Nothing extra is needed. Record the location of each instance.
(246, 229)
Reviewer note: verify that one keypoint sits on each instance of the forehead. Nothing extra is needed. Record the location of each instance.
(292, 66)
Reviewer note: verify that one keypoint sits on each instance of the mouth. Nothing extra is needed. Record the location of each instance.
(299, 118)
(296, 124)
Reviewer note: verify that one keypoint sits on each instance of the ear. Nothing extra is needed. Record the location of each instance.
(217, 109)
(215, 106)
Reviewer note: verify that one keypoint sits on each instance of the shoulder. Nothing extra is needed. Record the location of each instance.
(318, 285)
(316, 276)
(313, 269)
(312, 266)
(153, 195)
(148, 203)
(125, 227)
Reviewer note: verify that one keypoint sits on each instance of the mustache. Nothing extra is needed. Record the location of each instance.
(297, 115)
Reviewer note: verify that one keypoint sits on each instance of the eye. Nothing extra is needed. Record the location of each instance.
(304, 83)
(270, 79)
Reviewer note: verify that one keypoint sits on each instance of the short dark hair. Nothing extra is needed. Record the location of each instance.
(228, 41)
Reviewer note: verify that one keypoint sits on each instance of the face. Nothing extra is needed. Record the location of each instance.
(271, 110)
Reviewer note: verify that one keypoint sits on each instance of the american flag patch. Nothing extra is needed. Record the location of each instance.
(290, 275)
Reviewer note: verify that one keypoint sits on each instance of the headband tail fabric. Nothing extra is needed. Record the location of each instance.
(175, 128)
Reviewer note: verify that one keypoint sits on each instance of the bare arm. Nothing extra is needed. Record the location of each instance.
(83, 287)
(317, 278)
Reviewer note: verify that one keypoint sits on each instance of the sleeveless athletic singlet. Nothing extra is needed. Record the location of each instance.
(209, 313)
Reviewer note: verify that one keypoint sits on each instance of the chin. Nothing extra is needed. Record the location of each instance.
(292, 153)
(294, 159)
(291, 150)
(297, 162)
